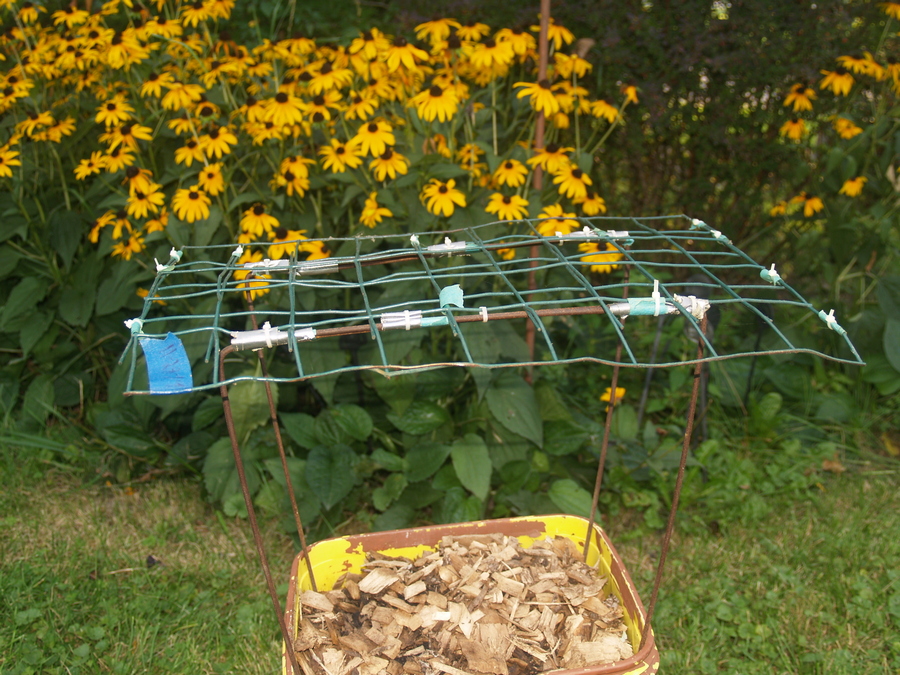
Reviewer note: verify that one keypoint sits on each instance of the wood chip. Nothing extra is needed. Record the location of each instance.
(477, 605)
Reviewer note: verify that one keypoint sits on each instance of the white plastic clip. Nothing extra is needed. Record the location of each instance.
(560, 235)
(448, 241)
(159, 266)
(657, 298)
(719, 236)
(266, 329)
(772, 275)
(407, 319)
(136, 325)
(830, 321)
(484, 316)
(414, 240)
(238, 252)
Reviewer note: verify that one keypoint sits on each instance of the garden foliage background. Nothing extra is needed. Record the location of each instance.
(128, 129)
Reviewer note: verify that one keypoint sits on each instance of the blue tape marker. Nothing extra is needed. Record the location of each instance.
(168, 368)
(452, 295)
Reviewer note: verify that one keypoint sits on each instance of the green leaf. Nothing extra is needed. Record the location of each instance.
(116, 290)
(551, 405)
(250, 406)
(389, 461)
(420, 418)
(307, 502)
(21, 302)
(34, 330)
(38, 401)
(878, 371)
(76, 304)
(892, 342)
(443, 171)
(66, 231)
(220, 474)
(888, 293)
(472, 464)
(329, 472)
(9, 259)
(205, 229)
(563, 437)
(300, 427)
(387, 494)
(570, 497)
(457, 507)
(209, 410)
(350, 193)
(424, 460)
(355, 421)
(395, 518)
(511, 401)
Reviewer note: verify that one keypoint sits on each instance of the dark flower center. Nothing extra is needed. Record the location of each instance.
(367, 36)
(577, 173)
(9, 91)
(281, 233)
(508, 164)
(840, 71)
(251, 101)
(191, 144)
(140, 195)
(269, 125)
(517, 31)
(318, 117)
(131, 172)
(507, 200)
(281, 97)
(152, 77)
(117, 39)
(115, 152)
(289, 176)
(453, 42)
(206, 111)
(198, 5)
(372, 127)
(304, 77)
(215, 65)
(319, 100)
(125, 130)
(436, 91)
(93, 35)
(121, 215)
(489, 43)
(110, 106)
(193, 194)
(327, 68)
(387, 154)
(214, 134)
(443, 189)
(544, 84)
(340, 150)
(258, 209)
(400, 42)
(552, 148)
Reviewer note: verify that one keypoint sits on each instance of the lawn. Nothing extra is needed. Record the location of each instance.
(150, 579)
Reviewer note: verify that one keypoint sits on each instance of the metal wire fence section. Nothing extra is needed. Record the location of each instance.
(471, 291)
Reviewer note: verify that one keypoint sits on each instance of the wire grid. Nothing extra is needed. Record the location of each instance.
(385, 285)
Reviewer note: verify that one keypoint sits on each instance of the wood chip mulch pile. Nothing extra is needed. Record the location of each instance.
(477, 604)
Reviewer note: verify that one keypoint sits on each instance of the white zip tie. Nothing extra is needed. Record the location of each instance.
(484, 316)
(407, 318)
(774, 276)
(830, 321)
(266, 329)
(656, 297)
(238, 252)
(159, 266)
(136, 325)
(414, 240)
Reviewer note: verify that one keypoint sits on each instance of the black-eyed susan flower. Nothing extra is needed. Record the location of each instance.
(128, 247)
(607, 395)
(70, 16)
(507, 207)
(140, 204)
(191, 204)
(284, 242)
(845, 128)
(389, 164)
(163, 27)
(853, 186)
(436, 102)
(158, 224)
(284, 109)
(117, 159)
(28, 12)
(373, 212)
(555, 219)
(839, 81)
(572, 181)
(154, 82)
(801, 97)
(511, 172)
(811, 204)
(256, 221)
(337, 157)
(405, 54)
(779, 209)
(218, 142)
(113, 112)
(127, 134)
(194, 12)
(120, 224)
(601, 108)
(436, 29)
(603, 261)
(292, 183)
(473, 30)
(571, 64)
(794, 129)
(8, 160)
(188, 153)
(329, 77)
(557, 34)
(540, 96)
(252, 283)
(34, 122)
(630, 93)
(863, 65)
(139, 179)
(360, 107)
(373, 138)
(211, 180)
(315, 249)
(551, 158)
(892, 9)
(592, 204)
(181, 125)
(370, 44)
(181, 95)
(521, 42)
(441, 198)
(105, 220)
(490, 53)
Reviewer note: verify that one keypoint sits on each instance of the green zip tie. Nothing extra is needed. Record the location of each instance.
(831, 322)
(770, 275)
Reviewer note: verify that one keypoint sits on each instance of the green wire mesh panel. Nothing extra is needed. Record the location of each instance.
(470, 292)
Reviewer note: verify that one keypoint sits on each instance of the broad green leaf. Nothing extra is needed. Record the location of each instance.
(397, 392)
(624, 422)
(551, 406)
(888, 292)
(9, 259)
(115, 290)
(34, 330)
(328, 431)
(330, 473)
(319, 356)
(425, 459)
(420, 418)
(387, 494)
(220, 475)
(38, 401)
(66, 230)
(307, 502)
(353, 420)
(76, 305)
(892, 342)
(570, 497)
(458, 507)
(300, 427)
(388, 460)
(563, 437)
(21, 303)
(250, 406)
(205, 229)
(395, 518)
(472, 464)
(511, 401)
(878, 371)
(209, 410)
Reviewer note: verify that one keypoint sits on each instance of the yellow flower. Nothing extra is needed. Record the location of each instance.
(125, 249)
(801, 97)
(507, 208)
(853, 186)
(256, 221)
(153, 84)
(436, 101)
(128, 135)
(8, 159)
(567, 65)
(284, 241)
(606, 396)
(439, 197)
(284, 109)
(361, 107)
(551, 158)
(863, 65)
(140, 204)
(191, 204)
(118, 158)
(436, 30)
(114, 111)
(195, 12)
(592, 204)
(779, 209)
(491, 53)
(630, 92)
(838, 80)
(139, 179)
(511, 172)
(540, 96)
(556, 34)
(372, 213)
(338, 156)
(159, 223)
(211, 180)
(189, 153)
(601, 108)
(373, 138)
(521, 41)
(181, 95)
(473, 30)
(602, 262)
(256, 287)
(845, 128)
(70, 16)
(218, 142)
(389, 163)
(793, 129)
(892, 9)
(404, 54)
(556, 221)
(329, 77)
(293, 183)
(572, 182)
(811, 206)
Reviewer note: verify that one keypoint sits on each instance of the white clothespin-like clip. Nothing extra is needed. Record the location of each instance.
(657, 298)
(159, 266)
(407, 318)
(484, 314)
(266, 329)
(238, 252)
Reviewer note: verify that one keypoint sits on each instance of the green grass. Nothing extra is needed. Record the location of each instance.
(810, 584)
